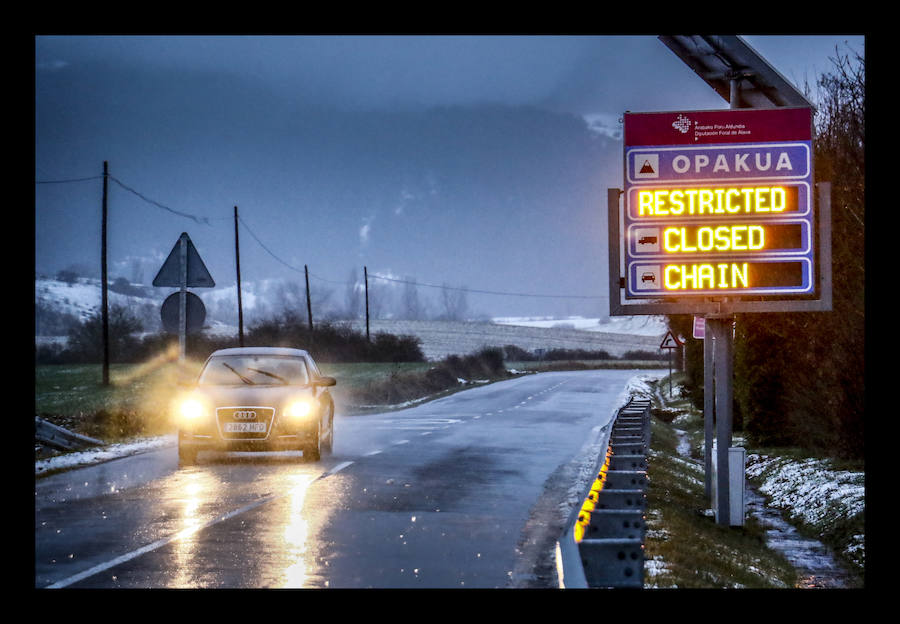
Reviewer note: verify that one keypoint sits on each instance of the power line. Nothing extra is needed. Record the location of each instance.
(206, 221)
(96, 177)
(322, 279)
(266, 248)
(471, 290)
(487, 292)
(195, 218)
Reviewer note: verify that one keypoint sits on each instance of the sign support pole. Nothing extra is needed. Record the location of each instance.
(670, 373)
(709, 406)
(721, 330)
(182, 304)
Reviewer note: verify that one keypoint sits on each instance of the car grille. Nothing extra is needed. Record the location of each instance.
(249, 418)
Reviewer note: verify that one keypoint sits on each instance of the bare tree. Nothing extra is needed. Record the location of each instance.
(379, 297)
(455, 301)
(413, 308)
(353, 297)
(322, 307)
(290, 297)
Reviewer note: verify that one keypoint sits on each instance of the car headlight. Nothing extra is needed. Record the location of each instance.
(191, 410)
(299, 410)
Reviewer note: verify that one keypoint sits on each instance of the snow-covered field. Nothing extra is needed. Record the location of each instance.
(443, 338)
(615, 335)
(631, 325)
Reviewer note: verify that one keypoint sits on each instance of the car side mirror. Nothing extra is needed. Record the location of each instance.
(325, 381)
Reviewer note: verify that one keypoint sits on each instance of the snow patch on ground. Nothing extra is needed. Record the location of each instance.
(101, 454)
(634, 325)
(812, 492)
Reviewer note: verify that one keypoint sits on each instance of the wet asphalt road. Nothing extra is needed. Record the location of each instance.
(468, 491)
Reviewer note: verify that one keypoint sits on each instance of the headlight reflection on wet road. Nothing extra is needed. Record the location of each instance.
(196, 487)
(296, 530)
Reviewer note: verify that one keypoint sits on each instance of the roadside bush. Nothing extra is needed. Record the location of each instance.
(114, 424)
(326, 342)
(392, 348)
(644, 355)
(576, 354)
(85, 340)
(486, 364)
(517, 354)
(334, 342)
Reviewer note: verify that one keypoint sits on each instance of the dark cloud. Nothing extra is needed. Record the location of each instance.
(462, 160)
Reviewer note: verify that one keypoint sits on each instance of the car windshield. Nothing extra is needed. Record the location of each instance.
(239, 370)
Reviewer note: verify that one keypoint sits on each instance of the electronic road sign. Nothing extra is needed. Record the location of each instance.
(719, 203)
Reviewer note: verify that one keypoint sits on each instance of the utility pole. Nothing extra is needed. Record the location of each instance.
(366, 275)
(237, 259)
(104, 295)
(308, 300)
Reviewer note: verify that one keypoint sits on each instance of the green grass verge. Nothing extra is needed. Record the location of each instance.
(684, 546)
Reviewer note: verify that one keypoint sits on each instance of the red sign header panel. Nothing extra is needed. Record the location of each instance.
(717, 127)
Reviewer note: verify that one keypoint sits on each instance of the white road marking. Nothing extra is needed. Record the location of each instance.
(184, 533)
(157, 544)
(338, 468)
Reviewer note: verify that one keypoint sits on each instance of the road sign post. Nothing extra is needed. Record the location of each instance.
(670, 343)
(183, 268)
(719, 215)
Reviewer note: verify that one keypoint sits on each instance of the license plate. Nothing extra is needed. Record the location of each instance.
(249, 427)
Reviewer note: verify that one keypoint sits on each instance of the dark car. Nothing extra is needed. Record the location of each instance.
(257, 399)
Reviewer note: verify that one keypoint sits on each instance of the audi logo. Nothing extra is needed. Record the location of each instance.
(244, 415)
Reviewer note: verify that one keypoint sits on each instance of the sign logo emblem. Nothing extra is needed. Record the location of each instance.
(682, 124)
(244, 415)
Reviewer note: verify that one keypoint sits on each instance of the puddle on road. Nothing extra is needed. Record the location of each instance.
(816, 565)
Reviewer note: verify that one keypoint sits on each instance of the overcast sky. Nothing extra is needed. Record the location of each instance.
(471, 161)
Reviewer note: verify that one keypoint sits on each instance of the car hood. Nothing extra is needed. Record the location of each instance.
(274, 395)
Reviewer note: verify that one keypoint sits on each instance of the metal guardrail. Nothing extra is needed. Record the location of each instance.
(603, 545)
(59, 438)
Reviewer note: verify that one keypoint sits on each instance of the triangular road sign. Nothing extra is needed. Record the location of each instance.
(670, 341)
(170, 273)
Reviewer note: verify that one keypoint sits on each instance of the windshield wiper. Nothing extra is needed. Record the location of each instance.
(268, 374)
(244, 379)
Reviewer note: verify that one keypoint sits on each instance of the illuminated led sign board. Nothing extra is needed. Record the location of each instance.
(719, 203)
